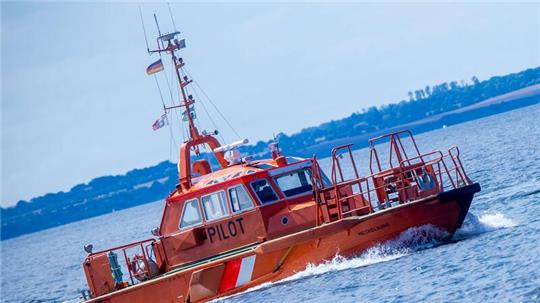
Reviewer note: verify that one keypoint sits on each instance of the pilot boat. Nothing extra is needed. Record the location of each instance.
(241, 222)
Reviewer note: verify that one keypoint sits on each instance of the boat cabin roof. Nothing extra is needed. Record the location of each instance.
(205, 183)
(245, 174)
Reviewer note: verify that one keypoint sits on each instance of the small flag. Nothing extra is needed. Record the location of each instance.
(154, 67)
(191, 113)
(160, 122)
(182, 44)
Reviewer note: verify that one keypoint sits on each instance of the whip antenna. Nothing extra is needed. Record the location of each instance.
(157, 25)
(159, 32)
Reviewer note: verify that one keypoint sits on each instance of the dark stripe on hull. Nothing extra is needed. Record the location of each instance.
(463, 196)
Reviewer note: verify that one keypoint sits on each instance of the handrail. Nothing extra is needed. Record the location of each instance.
(125, 246)
(423, 156)
(124, 249)
(406, 180)
(390, 134)
(336, 163)
(457, 163)
(315, 181)
(396, 146)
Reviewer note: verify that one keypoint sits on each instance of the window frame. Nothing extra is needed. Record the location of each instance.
(247, 192)
(257, 196)
(293, 172)
(184, 210)
(227, 203)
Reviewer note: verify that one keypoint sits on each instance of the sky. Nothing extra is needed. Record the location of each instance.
(77, 104)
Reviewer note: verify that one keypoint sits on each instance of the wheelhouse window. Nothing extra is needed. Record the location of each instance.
(215, 205)
(240, 200)
(191, 215)
(264, 191)
(295, 183)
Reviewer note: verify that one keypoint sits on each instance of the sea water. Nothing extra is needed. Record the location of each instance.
(494, 257)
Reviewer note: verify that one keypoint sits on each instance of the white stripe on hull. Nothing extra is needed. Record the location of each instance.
(246, 270)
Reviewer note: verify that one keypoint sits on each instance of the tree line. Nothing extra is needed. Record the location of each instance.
(103, 194)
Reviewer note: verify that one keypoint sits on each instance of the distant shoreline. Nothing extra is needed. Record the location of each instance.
(517, 99)
(140, 186)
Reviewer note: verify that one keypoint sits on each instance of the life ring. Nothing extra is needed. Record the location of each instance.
(137, 266)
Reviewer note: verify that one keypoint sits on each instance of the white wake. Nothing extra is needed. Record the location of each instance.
(475, 225)
(409, 241)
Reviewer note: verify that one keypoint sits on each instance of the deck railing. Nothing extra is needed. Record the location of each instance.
(415, 178)
(134, 258)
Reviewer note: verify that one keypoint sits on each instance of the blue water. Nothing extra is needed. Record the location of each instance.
(495, 257)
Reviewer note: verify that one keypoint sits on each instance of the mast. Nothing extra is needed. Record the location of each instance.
(169, 44)
(188, 101)
(173, 44)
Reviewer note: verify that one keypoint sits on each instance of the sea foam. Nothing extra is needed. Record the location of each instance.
(409, 241)
(475, 225)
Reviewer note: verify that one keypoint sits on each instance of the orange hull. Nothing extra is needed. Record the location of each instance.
(279, 258)
(245, 222)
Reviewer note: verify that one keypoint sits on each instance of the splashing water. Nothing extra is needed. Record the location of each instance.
(487, 222)
(496, 221)
(409, 241)
(376, 254)
(412, 240)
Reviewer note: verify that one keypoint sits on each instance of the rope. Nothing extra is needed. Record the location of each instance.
(144, 29)
(172, 99)
(214, 105)
(209, 116)
(169, 85)
(159, 89)
(180, 122)
(171, 139)
(172, 19)
(205, 109)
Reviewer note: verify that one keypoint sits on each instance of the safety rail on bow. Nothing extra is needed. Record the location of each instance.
(413, 177)
(105, 271)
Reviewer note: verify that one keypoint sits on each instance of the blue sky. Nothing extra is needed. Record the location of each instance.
(77, 104)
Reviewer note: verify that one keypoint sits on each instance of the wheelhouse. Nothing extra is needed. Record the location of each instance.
(232, 210)
(240, 205)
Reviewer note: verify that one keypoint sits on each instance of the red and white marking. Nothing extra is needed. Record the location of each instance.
(237, 273)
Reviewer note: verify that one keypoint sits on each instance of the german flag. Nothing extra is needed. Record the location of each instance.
(154, 67)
